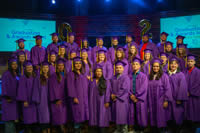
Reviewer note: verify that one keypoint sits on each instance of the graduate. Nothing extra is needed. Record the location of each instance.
(62, 51)
(146, 65)
(21, 45)
(120, 88)
(9, 93)
(54, 45)
(95, 49)
(129, 40)
(106, 65)
(38, 53)
(193, 83)
(169, 49)
(138, 97)
(21, 60)
(164, 58)
(41, 97)
(132, 52)
(87, 64)
(24, 94)
(112, 49)
(77, 86)
(179, 40)
(159, 96)
(57, 96)
(179, 92)
(85, 45)
(146, 44)
(99, 99)
(71, 45)
(162, 44)
(69, 62)
(120, 55)
(52, 62)
(181, 54)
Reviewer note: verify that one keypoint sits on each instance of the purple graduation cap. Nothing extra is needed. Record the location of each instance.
(72, 51)
(12, 60)
(20, 40)
(163, 54)
(84, 50)
(21, 53)
(120, 63)
(98, 66)
(136, 59)
(174, 58)
(115, 38)
(53, 52)
(71, 34)
(169, 43)
(164, 33)
(77, 59)
(180, 37)
(120, 48)
(28, 63)
(45, 63)
(191, 57)
(182, 46)
(62, 46)
(85, 39)
(100, 38)
(60, 61)
(101, 51)
(129, 35)
(146, 34)
(148, 51)
(37, 37)
(156, 60)
(133, 44)
(54, 34)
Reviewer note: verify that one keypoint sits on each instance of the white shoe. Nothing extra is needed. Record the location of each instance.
(132, 131)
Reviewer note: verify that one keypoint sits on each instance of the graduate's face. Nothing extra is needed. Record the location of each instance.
(71, 39)
(39, 42)
(115, 42)
(14, 65)
(72, 55)
(168, 48)
(55, 39)
(129, 39)
(22, 58)
(84, 55)
(100, 42)
(119, 69)
(173, 65)
(147, 56)
(132, 49)
(136, 66)
(179, 41)
(191, 63)
(101, 56)
(163, 37)
(77, 65)
(29, 69)
(62, 51)
(45, 69)
(119, 54)
(156, 67)
(53, 58)
(98, 73)
(164, 59)
(85, 44)
(21, 45)
(145, 39)
(61, 67)
(180, 50)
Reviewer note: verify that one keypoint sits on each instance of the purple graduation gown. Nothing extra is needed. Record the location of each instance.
(57, 92)
(182, 64)
(77, 86)
(9, 89)
(153, 47)
(87, 69)
(111, 55)
(89, 52)
(141, 105)
(107, 69)
(52, 46)
(179, 92)
(160, 47)
(158, 92)
(68, 66)
(94, 53)
(192, 105)
(41, 98)
(98, 114)
(25, 93)
(38, 55)
(165, 68)
(146, 68)
(69, 47)
(52, 69)
(127, 48)
(120, 87)
(28, 55)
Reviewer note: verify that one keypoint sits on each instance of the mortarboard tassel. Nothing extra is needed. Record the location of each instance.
(114, 69)
(67, 37)
(149, 68)
(164, 47)
(26, 57)
(186, 61)
(168, 64)
(72, 66)
(22, 69)
(40, 69)
(48, 58)
(91, 76)
(59, 51)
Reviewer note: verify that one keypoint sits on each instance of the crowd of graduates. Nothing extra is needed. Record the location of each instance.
(66, 86)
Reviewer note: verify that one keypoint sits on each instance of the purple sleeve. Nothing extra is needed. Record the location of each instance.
(34, 57)
(21, 93)
(36, 92)
(167, 88)
(182, 91)
(52, 96)
(194, 87)
(71, 85)
(108, 92)
(4, 84)
(109, 71)
(141, 91)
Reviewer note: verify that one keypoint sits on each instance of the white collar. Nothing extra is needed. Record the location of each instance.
(170, 73)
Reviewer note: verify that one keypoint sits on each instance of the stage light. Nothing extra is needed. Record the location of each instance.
(108, 0)
(53, 1)
(79, 0)
(159, 1)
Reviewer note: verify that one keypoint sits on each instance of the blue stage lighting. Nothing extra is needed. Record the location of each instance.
(108, 0)
(79, 0)
(53, 1)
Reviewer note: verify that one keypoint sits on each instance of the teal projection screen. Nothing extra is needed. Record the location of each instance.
(188, 26)
(13, 29)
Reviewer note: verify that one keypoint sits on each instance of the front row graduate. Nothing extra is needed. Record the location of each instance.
(159, 96)
(99, 98)
(24, 94)
(120, 87)
(9, 93)
(77, 85)
(138, 97)
(41, 97)
(57, 96)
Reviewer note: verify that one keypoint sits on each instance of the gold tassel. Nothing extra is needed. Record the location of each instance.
(186, 61)
(149, 68)
(22, 70)
(59, 51)
(26, 56)
(114, 69)
(164, 47)
(168, 64)
(143, 54)
(40, 69)
(72, 65)
(97, 42)
(91, 76)
(48, 58)
(67, 37)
